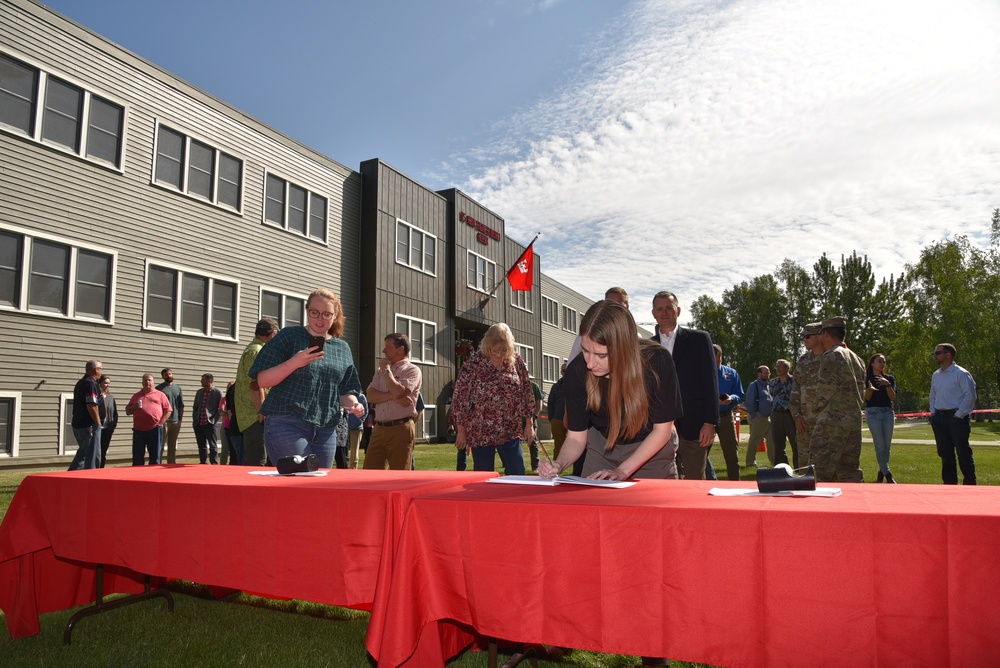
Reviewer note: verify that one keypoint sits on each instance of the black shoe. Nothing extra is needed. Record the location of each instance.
(881, 477)
(888, 478)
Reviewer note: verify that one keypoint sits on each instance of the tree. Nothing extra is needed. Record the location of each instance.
(798, 292)
(951, 296)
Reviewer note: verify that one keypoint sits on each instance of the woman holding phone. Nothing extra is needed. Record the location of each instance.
(880, 395)
(604, 389)
(311, 373)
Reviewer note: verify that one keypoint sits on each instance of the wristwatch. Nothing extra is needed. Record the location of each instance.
(387, 372)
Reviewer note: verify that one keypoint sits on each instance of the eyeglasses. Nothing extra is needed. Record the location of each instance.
(939, 352)
(326, 315)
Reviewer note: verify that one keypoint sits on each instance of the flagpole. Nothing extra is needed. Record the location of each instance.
(485, 300)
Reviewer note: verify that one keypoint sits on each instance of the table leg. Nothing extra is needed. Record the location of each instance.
(100, 606)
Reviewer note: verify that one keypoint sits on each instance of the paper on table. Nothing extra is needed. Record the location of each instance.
(825, 492)
(560, 480)
(302, 473)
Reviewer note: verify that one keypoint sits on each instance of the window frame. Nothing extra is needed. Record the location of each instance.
(550, 304)
(283, 296)
(71, 279)
(566, 311)
(65, 425)
(310, 195)
(488, 264)
(428, 422)
(529, 360)
(521, 299)
(15, 421)
(84, 124)
(433, 338)
(425, 237)
(546, 361)
(209, 304)
(185, 168)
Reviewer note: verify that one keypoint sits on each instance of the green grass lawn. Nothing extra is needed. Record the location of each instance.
(250, 631)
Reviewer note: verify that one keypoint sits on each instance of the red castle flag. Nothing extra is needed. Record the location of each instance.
(522, 274)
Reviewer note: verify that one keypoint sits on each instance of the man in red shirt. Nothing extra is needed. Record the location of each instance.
(149, 409)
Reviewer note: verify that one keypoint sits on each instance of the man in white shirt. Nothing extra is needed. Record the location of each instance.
(953, 396)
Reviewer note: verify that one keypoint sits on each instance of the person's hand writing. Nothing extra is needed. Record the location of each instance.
(548, 469)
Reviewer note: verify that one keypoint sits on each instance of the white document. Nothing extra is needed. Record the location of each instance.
(560, 480)
(825, 492)
(311, 474)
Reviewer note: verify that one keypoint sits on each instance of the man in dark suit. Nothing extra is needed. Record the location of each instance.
(206, 419)
(694, 359)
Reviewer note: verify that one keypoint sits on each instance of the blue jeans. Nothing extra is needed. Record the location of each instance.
(287, 435)
(88, 452)
(952, 436)
(881, 421)
(484, 459)
(147, 441)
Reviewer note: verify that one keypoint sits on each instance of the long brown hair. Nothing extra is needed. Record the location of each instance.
(337, 326)
(610, 324)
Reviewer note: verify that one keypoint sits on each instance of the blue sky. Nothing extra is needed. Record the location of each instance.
(656, 144)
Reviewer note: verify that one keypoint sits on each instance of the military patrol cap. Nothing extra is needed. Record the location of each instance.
(836, 321)
(812, 329)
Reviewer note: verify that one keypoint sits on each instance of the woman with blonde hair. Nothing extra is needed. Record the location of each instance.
(493, 403)
(624, 387)
(311, 373)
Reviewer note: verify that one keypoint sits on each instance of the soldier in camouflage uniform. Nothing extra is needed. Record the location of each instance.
(801, 403)
(835, 443)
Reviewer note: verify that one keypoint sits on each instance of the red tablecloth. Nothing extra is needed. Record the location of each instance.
(324, 539)
(884, 575)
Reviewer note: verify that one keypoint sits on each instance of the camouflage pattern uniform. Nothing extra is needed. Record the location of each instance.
(802, 402)
(835, 442)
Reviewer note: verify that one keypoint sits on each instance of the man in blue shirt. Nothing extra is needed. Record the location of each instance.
(759, 406)
(953, 396)
(782, 422)
(730, 396)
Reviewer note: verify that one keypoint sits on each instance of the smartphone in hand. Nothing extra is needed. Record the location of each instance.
(317, 342)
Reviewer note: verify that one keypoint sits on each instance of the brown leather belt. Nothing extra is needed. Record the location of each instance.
(394, 423)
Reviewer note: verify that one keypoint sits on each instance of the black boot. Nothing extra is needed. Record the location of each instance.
(888, 478)
(880, 477)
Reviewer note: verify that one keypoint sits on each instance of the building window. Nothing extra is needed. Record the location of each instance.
(49, 276)
(422, 338)
(288, 310)
(569, 319)
(415, 248)
(295, 208)
(72, 118)
(521, 299)
(67, 441)
(10, 423)
(190, 303)
(18, 95)
(550, 368)
(430, 421)
(197, 169)
(527, 353)
(482, 273)
(550, 311)
(62, 113)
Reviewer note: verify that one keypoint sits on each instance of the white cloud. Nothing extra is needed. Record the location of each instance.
(705, 142)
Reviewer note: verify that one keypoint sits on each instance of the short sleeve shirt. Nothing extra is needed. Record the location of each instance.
(661, 387)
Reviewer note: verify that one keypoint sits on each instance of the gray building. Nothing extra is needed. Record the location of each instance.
(148, 224)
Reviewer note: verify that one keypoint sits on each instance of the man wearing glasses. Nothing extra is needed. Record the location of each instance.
(802, 401)
(953, 396)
